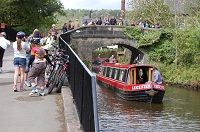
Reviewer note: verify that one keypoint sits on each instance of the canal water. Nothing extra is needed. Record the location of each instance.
(179, 112)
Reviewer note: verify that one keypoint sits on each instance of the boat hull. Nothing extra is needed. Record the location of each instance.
(152, 95)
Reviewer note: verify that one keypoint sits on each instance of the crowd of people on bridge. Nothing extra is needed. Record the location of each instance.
(121, 22)
(70, 25)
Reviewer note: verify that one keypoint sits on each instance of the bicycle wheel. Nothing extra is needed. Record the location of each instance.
(48, 71)
(60, 84)
(51, 77)
(53, 83)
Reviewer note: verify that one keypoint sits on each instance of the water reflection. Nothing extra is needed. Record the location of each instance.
(178, 112)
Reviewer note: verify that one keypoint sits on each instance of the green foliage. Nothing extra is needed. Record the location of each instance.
(87, 62)
(188, 46)
(192, 7)
(30, 14)
(132, 32)
(152, 10)
(166, 47)
(74, 47)
(148, 38)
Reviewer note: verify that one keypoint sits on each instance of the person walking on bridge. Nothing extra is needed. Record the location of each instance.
(3, 46)
(53, 31)
(99, 21)
(76, 24)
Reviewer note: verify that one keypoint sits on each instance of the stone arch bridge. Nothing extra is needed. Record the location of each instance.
(88, 38)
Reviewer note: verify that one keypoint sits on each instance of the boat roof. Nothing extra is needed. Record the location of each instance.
(125, 66)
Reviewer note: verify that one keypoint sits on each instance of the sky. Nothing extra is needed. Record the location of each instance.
(92, 4)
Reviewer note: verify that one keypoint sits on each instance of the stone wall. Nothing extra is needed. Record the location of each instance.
(89, 38)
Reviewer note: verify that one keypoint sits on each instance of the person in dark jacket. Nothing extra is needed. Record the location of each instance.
(99, 22)
(64, 28)
(113, 21)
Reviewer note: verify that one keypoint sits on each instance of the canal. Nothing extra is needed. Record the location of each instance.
(179, 112)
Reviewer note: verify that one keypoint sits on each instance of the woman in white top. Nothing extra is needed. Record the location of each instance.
(20, 48)
(3, 46)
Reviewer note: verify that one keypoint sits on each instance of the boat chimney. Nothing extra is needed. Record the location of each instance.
(123, 9)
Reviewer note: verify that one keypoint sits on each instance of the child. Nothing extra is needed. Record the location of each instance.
(38, 60)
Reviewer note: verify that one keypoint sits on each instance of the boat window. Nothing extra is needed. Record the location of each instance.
(103, 71)
(113, 73)
(108, 72)
(133, 77)
(116, 76)
(152, 75)
(122, 75)
(142, 75)
(106, 69)
(128, 77)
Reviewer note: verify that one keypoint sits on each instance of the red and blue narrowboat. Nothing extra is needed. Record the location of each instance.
(132, 82)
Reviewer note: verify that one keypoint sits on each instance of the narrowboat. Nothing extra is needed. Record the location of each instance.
(133, 82)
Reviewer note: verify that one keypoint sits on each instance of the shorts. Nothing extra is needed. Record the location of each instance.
(27, 61)
(21, 62)
(37, 71)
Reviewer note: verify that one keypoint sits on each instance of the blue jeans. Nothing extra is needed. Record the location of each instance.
(21, 62)
(27, 61)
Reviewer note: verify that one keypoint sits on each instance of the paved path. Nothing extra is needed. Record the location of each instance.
(21, 113)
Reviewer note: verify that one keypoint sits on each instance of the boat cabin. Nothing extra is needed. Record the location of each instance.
(129, 74)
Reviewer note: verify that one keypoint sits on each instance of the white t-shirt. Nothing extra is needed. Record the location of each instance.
(21, 53)
(4, 43)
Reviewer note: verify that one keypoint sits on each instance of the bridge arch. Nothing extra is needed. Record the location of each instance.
(88, 38)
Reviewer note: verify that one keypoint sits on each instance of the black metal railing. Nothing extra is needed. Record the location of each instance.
(83, 86)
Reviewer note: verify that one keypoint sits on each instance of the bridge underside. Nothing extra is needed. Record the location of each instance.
(136, 55)
(85, 46)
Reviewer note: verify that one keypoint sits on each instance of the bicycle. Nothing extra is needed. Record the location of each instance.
(53, 58)
(56, 78)
(62, 74)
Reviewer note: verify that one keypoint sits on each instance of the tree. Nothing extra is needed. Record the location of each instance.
(192, 8)
(152, 10)
(29, 14)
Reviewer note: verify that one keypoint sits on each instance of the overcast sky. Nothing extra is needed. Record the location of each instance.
(92, 4)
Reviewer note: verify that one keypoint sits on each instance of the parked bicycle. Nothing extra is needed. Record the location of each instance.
(53, 58)
(58, 74)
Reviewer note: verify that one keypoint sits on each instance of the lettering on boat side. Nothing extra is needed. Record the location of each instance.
(142, 87)
(159, 86)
